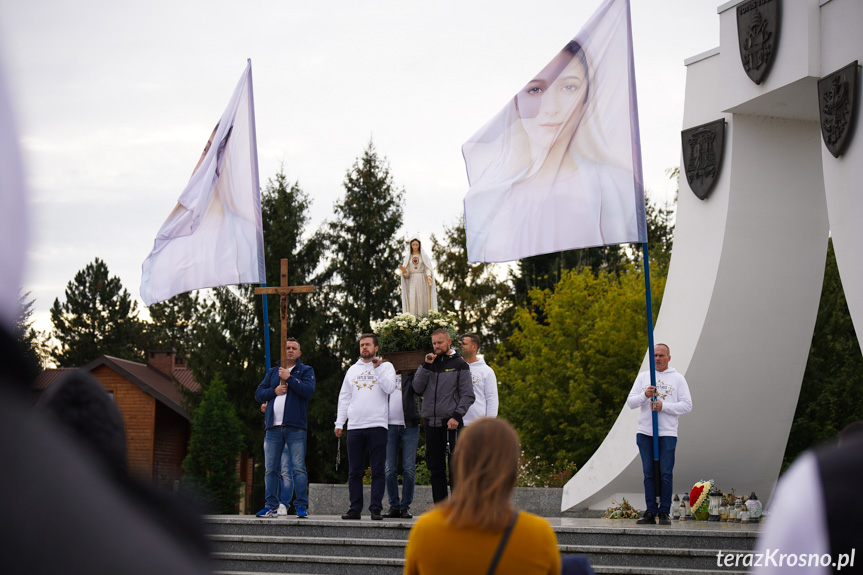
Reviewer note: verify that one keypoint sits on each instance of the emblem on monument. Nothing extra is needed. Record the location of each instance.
(837, 96)
(702, 156)
(758, 36)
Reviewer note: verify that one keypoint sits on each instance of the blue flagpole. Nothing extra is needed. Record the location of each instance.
(266, 330)
(257, 186)
(649, 300)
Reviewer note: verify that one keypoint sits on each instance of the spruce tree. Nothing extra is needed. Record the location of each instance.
(481, 296)
(174, 323)
(365, 250)
(211, 464)
(98, 317)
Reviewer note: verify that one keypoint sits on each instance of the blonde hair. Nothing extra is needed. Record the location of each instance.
(485, 473)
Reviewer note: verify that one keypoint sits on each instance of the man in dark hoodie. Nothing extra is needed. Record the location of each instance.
(287, 390)
(445, 383)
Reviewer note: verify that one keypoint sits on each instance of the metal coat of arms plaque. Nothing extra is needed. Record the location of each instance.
(837, 103)
(758, 36)
(702, 156)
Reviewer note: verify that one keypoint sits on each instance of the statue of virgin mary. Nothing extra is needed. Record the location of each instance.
(419, 294)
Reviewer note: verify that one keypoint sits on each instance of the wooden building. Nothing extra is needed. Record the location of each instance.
(151, 403)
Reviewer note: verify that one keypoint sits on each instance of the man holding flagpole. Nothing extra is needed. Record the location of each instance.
(559, 167)
(668, 399)
(287, 390)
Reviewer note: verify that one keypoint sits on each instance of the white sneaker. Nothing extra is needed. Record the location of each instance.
(282, 510)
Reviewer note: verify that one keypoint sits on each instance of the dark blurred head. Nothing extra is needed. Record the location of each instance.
(79, 403)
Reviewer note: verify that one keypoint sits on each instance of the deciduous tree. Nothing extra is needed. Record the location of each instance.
(565, 376)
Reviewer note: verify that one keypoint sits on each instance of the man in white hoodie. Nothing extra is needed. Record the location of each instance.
(483, 378)
(672, 401)
(364, 404)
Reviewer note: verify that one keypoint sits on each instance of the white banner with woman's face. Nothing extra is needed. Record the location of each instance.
(559, 168)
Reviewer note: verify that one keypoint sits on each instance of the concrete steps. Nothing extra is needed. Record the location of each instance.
(318, 545)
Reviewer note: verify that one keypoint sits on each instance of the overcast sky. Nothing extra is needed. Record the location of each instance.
(115, 100)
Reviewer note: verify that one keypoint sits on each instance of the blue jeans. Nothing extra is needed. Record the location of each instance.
(374, 441)
(408, 437)
(285, 457)
(667, 445)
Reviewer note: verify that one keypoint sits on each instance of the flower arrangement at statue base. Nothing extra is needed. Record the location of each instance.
(407, 332)
(699, 500)
(622, 511)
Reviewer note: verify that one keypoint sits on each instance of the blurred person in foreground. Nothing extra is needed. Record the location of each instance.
(463, 534)
(818, 534)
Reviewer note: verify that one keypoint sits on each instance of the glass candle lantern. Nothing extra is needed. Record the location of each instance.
(675, 507)
(754, 507)
(713, 505)
(687, 509)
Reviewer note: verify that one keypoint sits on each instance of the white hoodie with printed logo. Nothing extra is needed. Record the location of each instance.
(364, 398)
(672, 389)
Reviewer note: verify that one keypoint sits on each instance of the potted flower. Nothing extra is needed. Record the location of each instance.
(405, 339)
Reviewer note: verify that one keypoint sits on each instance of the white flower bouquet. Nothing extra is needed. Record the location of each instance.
(407, 332)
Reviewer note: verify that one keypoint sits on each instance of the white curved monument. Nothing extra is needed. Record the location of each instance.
(745, 278)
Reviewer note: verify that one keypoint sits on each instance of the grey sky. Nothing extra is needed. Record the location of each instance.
(115, 101)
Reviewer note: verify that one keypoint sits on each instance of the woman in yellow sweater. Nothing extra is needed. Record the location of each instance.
(462, 534)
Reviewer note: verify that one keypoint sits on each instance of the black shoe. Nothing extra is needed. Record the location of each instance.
(647, 519)
(406, 514)
(376, 515)
(393, 513)
(351, 514)
(664, 519)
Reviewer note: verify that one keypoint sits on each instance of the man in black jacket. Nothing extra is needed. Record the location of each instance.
(445, 384)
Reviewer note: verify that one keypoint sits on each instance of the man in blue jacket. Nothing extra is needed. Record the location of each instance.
(285, 423)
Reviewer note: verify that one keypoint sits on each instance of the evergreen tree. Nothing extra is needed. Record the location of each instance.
(32, 341)
(211, 464)
(364, 249)
(831, 395)
(174, 323)
(230, 344)
(480, 294)
(285, 215)
(98, 317)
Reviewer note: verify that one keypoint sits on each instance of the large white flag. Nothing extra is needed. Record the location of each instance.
(214, 235)
(13, 215)
(559, 168)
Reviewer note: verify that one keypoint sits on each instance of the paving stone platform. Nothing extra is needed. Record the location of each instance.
(327, 544)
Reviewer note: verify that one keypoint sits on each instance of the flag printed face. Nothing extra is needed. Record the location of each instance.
(559, 168)
(214, 236)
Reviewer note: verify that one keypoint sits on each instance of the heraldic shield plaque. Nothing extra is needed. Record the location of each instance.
(702, 156)
(758, 36)
(837, 105)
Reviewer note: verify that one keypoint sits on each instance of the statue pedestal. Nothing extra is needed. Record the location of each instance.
(405, 360)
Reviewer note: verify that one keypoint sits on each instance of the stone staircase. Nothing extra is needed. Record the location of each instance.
(326, 544)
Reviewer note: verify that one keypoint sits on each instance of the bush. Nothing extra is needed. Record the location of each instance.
(211, 465)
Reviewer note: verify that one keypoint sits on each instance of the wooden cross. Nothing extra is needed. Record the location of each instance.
(282, 290)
